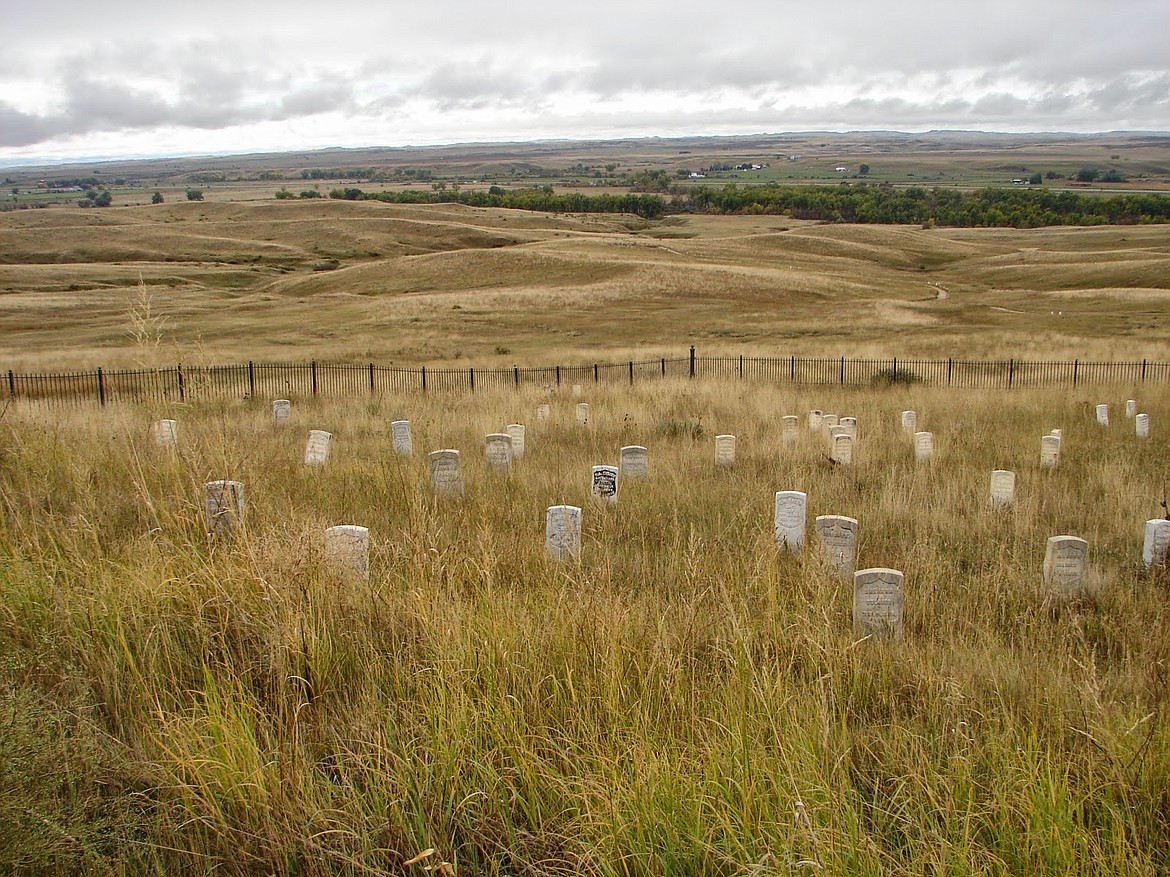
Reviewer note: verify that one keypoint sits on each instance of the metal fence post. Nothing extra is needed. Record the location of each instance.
(631, 373)
(101, 386)
(471, 378)
(842, 371)
(950, 365)
(371, 377)
(516, 374)
(1143, 372)
(664, 366)
(11, 385)
(1011, 372)
(692, 360)
(792, 370)
(558, 375)
(596, 377)
(251, 379)
(1076, 365)
(313, 369)
(182, 383)
(423, 375)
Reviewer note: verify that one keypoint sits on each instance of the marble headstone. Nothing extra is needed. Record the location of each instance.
(878, 600)
(724, 450)
(562, 531)
(543, 411)
(1049, 451)
(517, 432)
(165, 433)
(582, 413)
(400, 433)
(317, 447)
(791, 428)
(223, 507)
(281, 411)
(1130, 407)
(1141, 425)
(497, 451)
(1154, 548)
(842, 452)
(1103, 414)
(814, 420)
(1064, 563)
(838, 538)
(604, 484)
(910, 422)
(635, 462)
(923, 446)
(789, 519)
(446, 472)
(347, 551)
(1003, 487)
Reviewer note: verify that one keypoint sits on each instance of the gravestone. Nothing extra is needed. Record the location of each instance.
(281, 411)
(165, 433)
(814, 420)
(923, 446)
(910, 422)
(1059, 433)
(838, 538)
(842, 452)
(724, 450)
(543, 412)
(1103, 414)
(1049, 451)
(828, 421)
(446, 473)
(604, 484)
(1130, 407)
(791, 428)
(402, 441)
(223, 507)
(317, 447)
(562, 531)
(635, 462)
(497, 451)
(850, 424)
(1003, 488)
(582, 413)
(835, 431)
(1141, 425)
(1064, 563)
(576, 389)
(1157, 541)
(347, 551)
(878, 599)
(516, 431)
(789, 519)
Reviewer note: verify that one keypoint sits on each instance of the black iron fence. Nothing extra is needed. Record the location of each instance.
(301, 380)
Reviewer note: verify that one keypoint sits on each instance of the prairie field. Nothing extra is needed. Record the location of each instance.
(682, 698)
(229, 282)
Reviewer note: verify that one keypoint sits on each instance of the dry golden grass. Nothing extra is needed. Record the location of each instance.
(433, 284)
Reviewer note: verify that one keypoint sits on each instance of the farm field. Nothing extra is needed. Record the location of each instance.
(683, 698)
(217, 282)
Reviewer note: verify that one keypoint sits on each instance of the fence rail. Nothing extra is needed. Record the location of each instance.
(302, 380)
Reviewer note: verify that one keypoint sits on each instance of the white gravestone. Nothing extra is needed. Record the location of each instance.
(576, 389)
(835, 431)
(1141, 425)
(281, 411)
(1003, 487)
(517, 432)
(347, 551)
(828, 421)
(910, 422)
(582, 413)
(635, 462)
(1049, 451)
(878, 599)
(403, 443)
(497, 451)
(838, 538)
(1059, 433)
(446, 473)
(814, 420)
(1064, 563)
(223, 507)
(1103, 414)
(791, 428)
(724, 450)
(842, 452)
(923, 446)
(165, 433)
(789, 519)
(1157, 541)
(317, 447)
(1130, 407)
(604, 484)
(562, 531)
(850, 424)
(543, 412)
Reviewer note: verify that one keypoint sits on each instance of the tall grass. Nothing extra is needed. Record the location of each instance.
(683, 699)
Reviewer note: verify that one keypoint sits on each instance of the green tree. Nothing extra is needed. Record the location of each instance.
(194, 194)
(283, 194)
(156, 198)
(1036, 179)
(864, 169)
(1087, 174)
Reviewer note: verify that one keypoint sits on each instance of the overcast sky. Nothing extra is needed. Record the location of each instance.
(84, 79)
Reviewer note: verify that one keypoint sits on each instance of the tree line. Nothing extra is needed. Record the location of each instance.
(874, 204)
